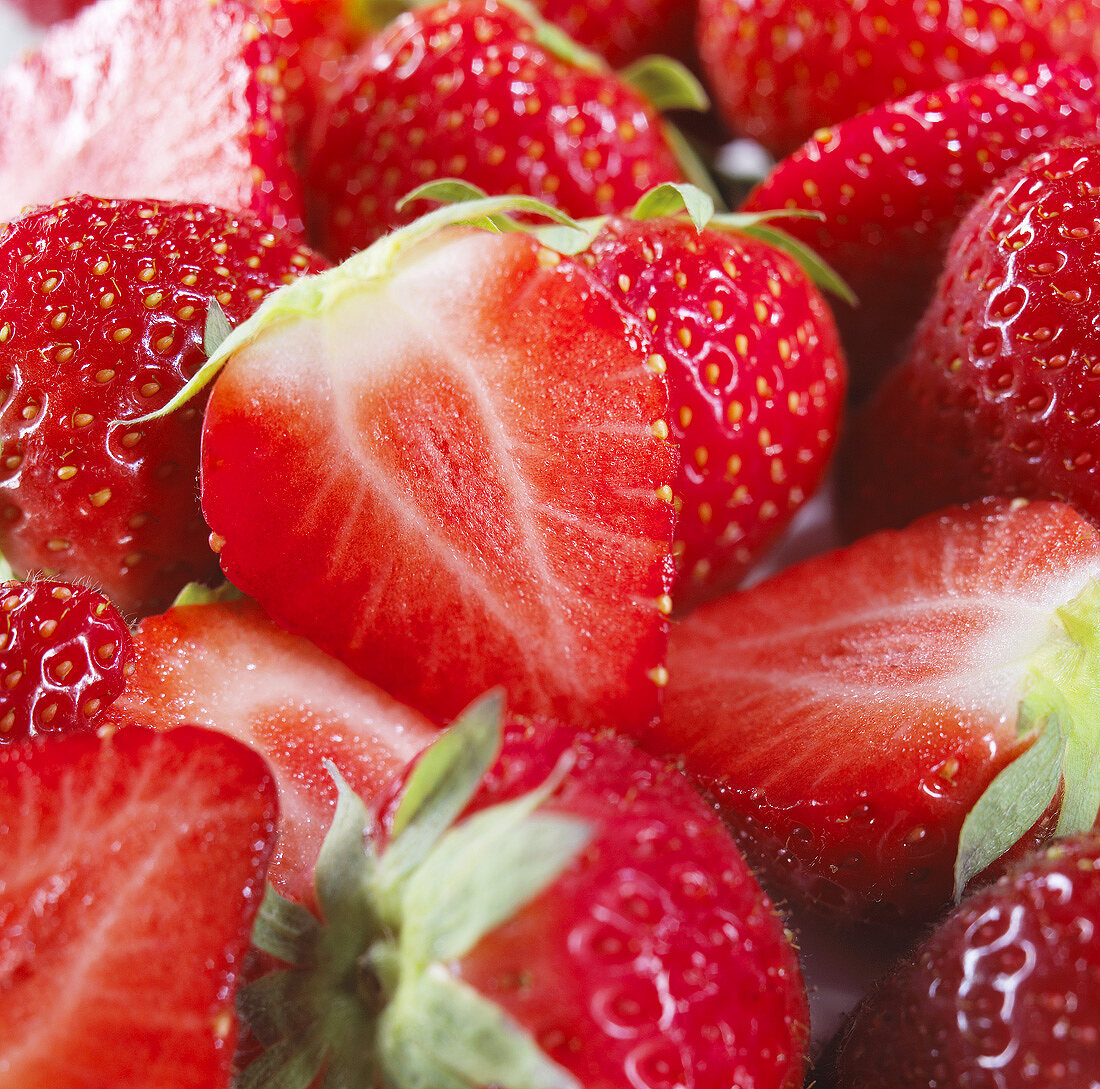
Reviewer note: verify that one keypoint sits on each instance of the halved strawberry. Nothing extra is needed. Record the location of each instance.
(103, 309)
(65, 653)
(850, 712)
(485, 91)
(447, 464)
(166, 99)
(227, 666)
(893, 184)
(131, 867)
(550, 909)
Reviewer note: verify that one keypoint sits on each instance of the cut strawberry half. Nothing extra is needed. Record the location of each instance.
(227, 666)
(130, 871)
(89, 112)
(850, 712)
(447, 464)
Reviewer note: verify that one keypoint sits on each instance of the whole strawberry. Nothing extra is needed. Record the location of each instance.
(553, 909)
(167, 99)
(475, 89)
(1003, 995)
(997, 393)
(103, 308)
(64, 657)
(893, 184)
(755, 373)
(781, 69)
(883, 722)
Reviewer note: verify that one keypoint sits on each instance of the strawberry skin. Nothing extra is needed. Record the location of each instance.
(532, 906)
(756, 383)
(466, 89)
(487, 478)
(849, 712)
(128, 882)
(1003, 994)
(781, 69)
(625, 962)
(622, 31)
(996, 393)
(65, 653)
(49, 11)
(102, 317)
(226, 666)
(87, 112)
(894, 183)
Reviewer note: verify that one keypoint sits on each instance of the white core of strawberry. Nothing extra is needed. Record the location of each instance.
(371, 998)
(1058, 680)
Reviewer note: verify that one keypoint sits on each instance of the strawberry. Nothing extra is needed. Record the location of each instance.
(225, 665)
(882, 720)
(622, 31)
(102, 314)
(49, 11)
(471, 491)
(65, 654)
(87, 112)
(312, 39)
(475, 89)
(996, 393)
(1003, 995)
(586, 920)
(894, 183)
(780, 69)
(755, 373)
(129, 878)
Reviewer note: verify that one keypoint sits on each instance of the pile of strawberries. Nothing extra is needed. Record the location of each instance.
(395, 428)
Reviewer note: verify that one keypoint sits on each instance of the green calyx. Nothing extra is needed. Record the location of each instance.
(195, 593)
(311, 296)
(1061, 708)
(369, 998)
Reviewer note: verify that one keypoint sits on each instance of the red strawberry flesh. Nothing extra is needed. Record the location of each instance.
(848, 713)
(131, 869)
(476, 492)
(91, 111)
(228, 667)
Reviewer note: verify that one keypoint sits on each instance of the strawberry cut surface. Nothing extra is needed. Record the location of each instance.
(449, 473)
(130, 870)
(849, 712)
(226, 666)
(89, 112)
